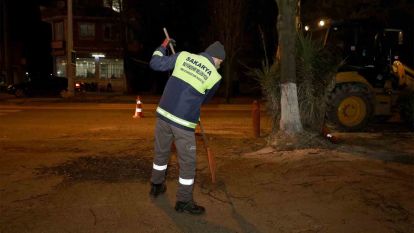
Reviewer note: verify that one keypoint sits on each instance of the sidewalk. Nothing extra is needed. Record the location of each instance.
(110, 98)
(79, 97)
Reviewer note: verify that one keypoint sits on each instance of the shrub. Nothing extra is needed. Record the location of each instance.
(315, 70)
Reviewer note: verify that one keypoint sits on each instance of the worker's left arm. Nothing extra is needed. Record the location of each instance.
(160, 61)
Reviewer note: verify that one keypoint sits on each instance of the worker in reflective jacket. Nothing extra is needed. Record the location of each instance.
(193, 82)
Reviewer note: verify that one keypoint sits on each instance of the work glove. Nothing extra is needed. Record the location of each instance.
(167, 42)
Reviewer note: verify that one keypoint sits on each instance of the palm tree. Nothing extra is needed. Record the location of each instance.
(305, 87)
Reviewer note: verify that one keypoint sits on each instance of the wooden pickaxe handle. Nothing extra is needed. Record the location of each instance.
(168, 37)
(210, 156)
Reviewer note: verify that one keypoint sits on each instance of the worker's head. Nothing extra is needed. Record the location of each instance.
(216, 51)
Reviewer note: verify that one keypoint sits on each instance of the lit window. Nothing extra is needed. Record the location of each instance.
(58, 31)
(85, 68)
(111, 68)
(86, 30)
(60, 63)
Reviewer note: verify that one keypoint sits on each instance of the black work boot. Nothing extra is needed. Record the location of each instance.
(189, 207)
(157, 189)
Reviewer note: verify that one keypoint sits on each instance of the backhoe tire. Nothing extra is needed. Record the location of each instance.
(350, 107)
(406, 104)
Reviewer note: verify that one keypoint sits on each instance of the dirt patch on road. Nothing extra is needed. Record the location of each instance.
(106, 169)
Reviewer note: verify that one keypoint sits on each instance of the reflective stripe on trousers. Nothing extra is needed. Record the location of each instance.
(158, 167)
(184, 141)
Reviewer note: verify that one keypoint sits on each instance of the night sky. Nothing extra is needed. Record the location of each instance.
(26, 28)
(186, 21)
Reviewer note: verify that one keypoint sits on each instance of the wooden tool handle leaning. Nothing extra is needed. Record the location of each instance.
(168, 37)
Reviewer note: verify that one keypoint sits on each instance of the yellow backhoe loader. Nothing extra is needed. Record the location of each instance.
(374, 82)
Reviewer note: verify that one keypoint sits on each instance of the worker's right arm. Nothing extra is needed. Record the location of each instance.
(160, 61)
(210, 92)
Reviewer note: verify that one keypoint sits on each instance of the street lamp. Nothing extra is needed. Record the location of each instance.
(321, 23)
(98, 55)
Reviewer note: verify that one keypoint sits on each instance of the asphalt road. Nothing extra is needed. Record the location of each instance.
(45, 148)
(84, 167)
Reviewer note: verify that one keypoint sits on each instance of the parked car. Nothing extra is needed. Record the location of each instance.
(40, 85)
(85, 86)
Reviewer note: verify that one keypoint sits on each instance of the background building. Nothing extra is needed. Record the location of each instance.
(96, 42)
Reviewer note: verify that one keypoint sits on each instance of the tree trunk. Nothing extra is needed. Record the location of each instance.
(290, 118)
(228, 30)
(122, 21)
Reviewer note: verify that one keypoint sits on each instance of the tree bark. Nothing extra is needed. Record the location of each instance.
(290, 122)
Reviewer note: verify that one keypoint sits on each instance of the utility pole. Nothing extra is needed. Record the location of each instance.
(69, 50)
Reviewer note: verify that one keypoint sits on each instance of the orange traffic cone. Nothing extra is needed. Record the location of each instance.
(138, 109)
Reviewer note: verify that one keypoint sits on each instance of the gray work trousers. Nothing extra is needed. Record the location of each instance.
(165, 134)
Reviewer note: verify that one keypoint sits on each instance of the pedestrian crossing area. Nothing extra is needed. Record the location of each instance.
(4, 112)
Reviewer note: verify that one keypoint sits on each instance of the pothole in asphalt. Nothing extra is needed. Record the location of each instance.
(106, 169)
